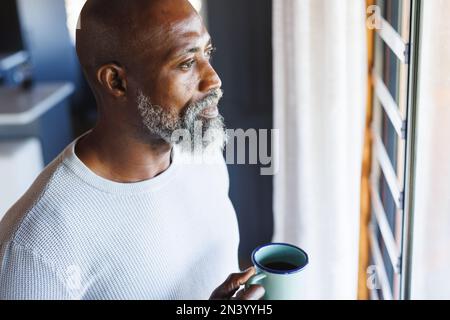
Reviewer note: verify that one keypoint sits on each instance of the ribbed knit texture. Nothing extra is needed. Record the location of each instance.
(75, 235)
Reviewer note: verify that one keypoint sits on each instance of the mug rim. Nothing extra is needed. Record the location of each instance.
(256, 263)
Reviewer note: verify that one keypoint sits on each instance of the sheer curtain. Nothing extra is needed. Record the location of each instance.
(320, 77)
(431, 255)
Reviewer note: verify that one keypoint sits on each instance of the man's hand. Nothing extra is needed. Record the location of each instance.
(227, 289)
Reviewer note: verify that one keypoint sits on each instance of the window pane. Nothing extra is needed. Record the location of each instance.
(390, 139)
(385, 255)
(388, 201)
(390, 70)
(397, 13)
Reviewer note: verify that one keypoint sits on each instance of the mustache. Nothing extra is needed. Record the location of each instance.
(212, 99)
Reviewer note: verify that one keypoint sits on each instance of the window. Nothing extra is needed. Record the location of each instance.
(394, 85)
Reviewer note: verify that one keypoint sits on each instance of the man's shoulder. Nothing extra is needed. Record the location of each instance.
(35, 206)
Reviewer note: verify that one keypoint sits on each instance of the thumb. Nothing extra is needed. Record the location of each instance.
(227, 289)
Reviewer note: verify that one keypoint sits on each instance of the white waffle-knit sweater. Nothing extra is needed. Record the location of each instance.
(75, 235)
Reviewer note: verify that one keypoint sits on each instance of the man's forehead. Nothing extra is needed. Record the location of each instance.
(187, 26)
(189, 39)
(189, 43)
(179, 36)
(163, 32)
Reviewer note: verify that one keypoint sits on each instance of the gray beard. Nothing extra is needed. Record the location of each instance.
(192, 132)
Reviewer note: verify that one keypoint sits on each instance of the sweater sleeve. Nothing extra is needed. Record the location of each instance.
(26, 276)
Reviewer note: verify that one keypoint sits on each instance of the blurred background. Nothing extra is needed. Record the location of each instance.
(359, 91)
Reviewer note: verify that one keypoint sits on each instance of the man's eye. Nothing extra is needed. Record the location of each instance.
(187, 65)
(210, 52)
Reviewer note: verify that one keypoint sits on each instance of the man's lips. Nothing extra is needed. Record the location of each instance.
(210, 112)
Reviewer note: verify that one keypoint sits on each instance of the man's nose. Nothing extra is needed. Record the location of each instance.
(210, 80)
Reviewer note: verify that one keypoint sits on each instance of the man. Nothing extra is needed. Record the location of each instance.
(118, 215)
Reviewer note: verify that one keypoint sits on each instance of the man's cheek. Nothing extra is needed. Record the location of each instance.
(185, 97)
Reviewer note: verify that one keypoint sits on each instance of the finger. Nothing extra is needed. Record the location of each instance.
(247, 274)
(254, 292)
(227, 289)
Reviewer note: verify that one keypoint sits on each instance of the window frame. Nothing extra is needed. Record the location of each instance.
(393, 150)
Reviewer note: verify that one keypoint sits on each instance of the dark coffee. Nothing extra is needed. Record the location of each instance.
(280, 265)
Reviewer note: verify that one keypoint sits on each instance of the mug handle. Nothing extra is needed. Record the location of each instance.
(255, 279)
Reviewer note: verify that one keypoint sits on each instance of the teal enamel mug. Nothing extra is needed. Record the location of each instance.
(279, 269)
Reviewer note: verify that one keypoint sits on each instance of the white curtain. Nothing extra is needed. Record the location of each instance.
(320, 80)
(431, 253)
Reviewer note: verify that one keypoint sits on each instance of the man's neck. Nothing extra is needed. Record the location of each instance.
(120, 157)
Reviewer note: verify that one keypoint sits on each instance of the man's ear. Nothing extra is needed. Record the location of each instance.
(113, 78)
